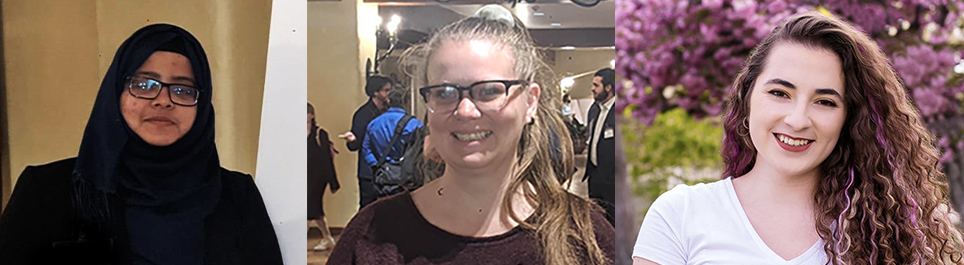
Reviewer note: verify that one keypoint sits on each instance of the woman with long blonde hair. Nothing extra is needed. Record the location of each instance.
(499, 198)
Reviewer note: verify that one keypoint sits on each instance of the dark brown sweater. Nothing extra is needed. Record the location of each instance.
(392, 231)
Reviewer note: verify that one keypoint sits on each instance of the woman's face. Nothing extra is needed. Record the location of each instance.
(797, 108)
(158, 121)
(469, 137)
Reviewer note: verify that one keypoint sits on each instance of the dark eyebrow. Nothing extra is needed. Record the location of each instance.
(184, 79)
(781, 82)
(148, 74)
(828, 91)
(175, 78)
(819, 91)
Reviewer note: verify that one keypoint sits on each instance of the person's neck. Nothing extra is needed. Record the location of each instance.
(475, 196)
(603, 102)
(781, 188)
(379, 104)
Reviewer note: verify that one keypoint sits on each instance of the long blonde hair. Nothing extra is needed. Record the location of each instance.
(562, 221)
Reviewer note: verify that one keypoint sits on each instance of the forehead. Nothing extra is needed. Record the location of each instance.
(467, 61)
(167, 64)
(597, 80)
(805, 67)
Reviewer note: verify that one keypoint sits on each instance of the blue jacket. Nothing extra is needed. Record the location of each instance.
(380, 132)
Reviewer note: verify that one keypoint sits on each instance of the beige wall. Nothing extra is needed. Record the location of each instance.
(337, 50)
(57, 52)
(575, 62)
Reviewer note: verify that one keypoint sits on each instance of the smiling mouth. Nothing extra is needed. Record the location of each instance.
(472, 136)
(793, 142)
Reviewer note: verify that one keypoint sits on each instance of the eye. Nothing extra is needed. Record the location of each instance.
(444, 93)
(778, 93)
(183, 91)
(827, 102)
(144, 84)
(488, 91)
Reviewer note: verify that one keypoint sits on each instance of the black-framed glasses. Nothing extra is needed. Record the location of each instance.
(147, 88)
(486, 95)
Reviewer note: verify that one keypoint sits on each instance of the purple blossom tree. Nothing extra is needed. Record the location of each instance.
(684, 54)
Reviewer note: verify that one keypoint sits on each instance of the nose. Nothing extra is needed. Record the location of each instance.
(799, 117)
(163, 100)
(467, 109)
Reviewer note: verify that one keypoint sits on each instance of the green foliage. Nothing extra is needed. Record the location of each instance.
(676, 142)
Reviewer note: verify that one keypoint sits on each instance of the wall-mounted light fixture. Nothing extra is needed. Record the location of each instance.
(390, 28)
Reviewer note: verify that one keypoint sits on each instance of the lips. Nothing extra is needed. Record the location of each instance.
(471, 136)
(159, 119)
(792, 144)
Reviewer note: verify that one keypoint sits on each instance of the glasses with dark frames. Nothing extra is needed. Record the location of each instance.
(148, 88)
(486, 95)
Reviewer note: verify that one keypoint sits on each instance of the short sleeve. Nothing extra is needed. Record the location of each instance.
(660, 237)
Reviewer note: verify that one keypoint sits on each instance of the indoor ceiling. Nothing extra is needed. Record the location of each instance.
(552, 24)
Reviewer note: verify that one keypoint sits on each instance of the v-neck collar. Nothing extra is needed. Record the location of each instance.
(814, 249)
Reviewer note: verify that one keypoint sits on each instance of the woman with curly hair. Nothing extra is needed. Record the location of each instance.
(826, 162)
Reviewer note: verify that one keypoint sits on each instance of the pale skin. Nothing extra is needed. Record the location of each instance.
(598, 90)
(477, 172)
(800, 94)
(159, 121)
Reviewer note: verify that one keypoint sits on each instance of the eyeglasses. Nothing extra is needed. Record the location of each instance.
(486, 95)
(146, 88)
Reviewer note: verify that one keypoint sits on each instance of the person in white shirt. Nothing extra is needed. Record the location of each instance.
(826, 161)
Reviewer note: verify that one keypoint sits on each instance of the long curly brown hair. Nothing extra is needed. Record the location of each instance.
(881, 197)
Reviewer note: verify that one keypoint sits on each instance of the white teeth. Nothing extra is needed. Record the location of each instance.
(792, 142)
(472, 136)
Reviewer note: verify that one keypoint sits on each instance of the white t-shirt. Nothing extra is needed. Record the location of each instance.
(705, 224)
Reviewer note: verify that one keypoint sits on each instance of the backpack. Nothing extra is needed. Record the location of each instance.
(395, 176)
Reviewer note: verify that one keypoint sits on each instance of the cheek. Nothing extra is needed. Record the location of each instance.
(188, 114)
(129, 108)
(835, 125)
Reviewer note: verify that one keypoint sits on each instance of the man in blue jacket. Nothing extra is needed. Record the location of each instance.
(382, 128)
(377, 88)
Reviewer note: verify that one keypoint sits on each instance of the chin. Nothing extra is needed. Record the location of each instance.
(159, 140)
(472, 160)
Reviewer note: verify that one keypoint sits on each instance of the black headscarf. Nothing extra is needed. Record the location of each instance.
(165, 192)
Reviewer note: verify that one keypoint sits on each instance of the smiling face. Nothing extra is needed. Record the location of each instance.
(469, 137)
(158, 121)
(797, 108)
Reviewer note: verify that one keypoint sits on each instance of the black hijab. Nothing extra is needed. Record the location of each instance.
(164, 192)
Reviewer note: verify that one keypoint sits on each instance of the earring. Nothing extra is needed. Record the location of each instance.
(746, 125)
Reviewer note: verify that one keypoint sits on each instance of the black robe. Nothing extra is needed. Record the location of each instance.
(321, 172)
(39, 226)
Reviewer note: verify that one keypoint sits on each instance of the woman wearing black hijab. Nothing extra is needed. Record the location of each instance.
(147, 186)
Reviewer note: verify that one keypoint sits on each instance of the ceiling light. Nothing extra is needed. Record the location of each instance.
(567, 82)
(555, 24)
